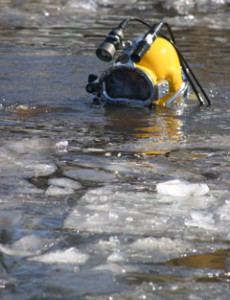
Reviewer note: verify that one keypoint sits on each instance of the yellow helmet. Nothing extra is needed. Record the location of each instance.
(149, 70)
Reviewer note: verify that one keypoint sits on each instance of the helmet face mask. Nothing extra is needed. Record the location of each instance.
(126, 85)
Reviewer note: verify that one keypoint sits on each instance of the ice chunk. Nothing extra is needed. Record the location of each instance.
(61, 146)
(159, 249)
(76, 6)
(41, 169)
(62, 186)
(67, 256)
(27, 246)
(182, 188)
(27, 145)
(91, 175)
(58, 191)
(30, 243)
(201, 219)
(65, 183)
(224, 212)
(116, 257)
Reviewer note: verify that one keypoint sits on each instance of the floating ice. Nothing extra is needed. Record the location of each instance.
(61, 146)
(62, 186)
(41, 169)
(58, 191)
(90, 175)
(26, 246)
(81, 5)
(109, 209)
(29, 157)
(29, 145)
(202, 220)
(224, 212)
(181, 188)
(65, 183)
(158, 249)
(116, 257)
(68, 256)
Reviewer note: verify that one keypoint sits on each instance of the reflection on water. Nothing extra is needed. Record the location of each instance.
(216, 260)
(79, 213)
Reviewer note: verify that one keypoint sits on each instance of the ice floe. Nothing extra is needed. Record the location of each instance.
(26, 246)
(67, 256)
(27, 158)
(90, 175)
(182, 188)
(62, 186)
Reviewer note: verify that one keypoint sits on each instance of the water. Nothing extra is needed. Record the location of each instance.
(81, 216)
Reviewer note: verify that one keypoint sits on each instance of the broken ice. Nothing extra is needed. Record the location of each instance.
(182, 188)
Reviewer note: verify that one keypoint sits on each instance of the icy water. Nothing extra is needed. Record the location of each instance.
(82, 215)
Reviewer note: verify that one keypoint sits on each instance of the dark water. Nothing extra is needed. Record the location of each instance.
(80, 217)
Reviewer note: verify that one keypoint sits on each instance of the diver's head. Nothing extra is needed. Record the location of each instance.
(148, 70)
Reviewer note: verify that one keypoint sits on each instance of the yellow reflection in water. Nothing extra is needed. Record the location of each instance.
(216, 260)
(166, 124)
(153, 132)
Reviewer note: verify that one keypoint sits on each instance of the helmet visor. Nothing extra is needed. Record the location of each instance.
(127, 84)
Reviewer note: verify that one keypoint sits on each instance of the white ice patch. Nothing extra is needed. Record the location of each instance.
(224, 212)
(41, 169)
(80, 5)
(26, 246)
(58, 191)
(62, 186)
(116, 257)
(29, 157)
(68, 256)
(65, 183)
(202, 220)
(33, 146)
(181, 188)
(158, 249)
(120, 210)
(61, 146)
(110, 209)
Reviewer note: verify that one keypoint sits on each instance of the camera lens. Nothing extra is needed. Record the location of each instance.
(106, 51)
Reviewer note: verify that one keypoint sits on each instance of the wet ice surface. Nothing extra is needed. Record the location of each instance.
(95, 204)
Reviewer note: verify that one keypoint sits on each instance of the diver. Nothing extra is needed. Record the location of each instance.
(149, 70)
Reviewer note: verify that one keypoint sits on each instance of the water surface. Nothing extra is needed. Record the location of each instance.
(80, 217)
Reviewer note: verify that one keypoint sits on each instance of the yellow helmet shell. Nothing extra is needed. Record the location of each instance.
(161, 62)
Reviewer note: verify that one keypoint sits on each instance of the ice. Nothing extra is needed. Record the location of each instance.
(27, 167)
(32, 146)
(112, 209)
(181, 188)
(203, 220)
(184, 7)
(90, 175)
(29, 243)
(116, 257)
(124, 210)
(67, 256)
(62, 186)
(61, 146)
(65, 183)
(58, 191)
(27, 158)
(26, 246)
(148, 249)
(81, 6)
(223, 212)
(40, 169)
